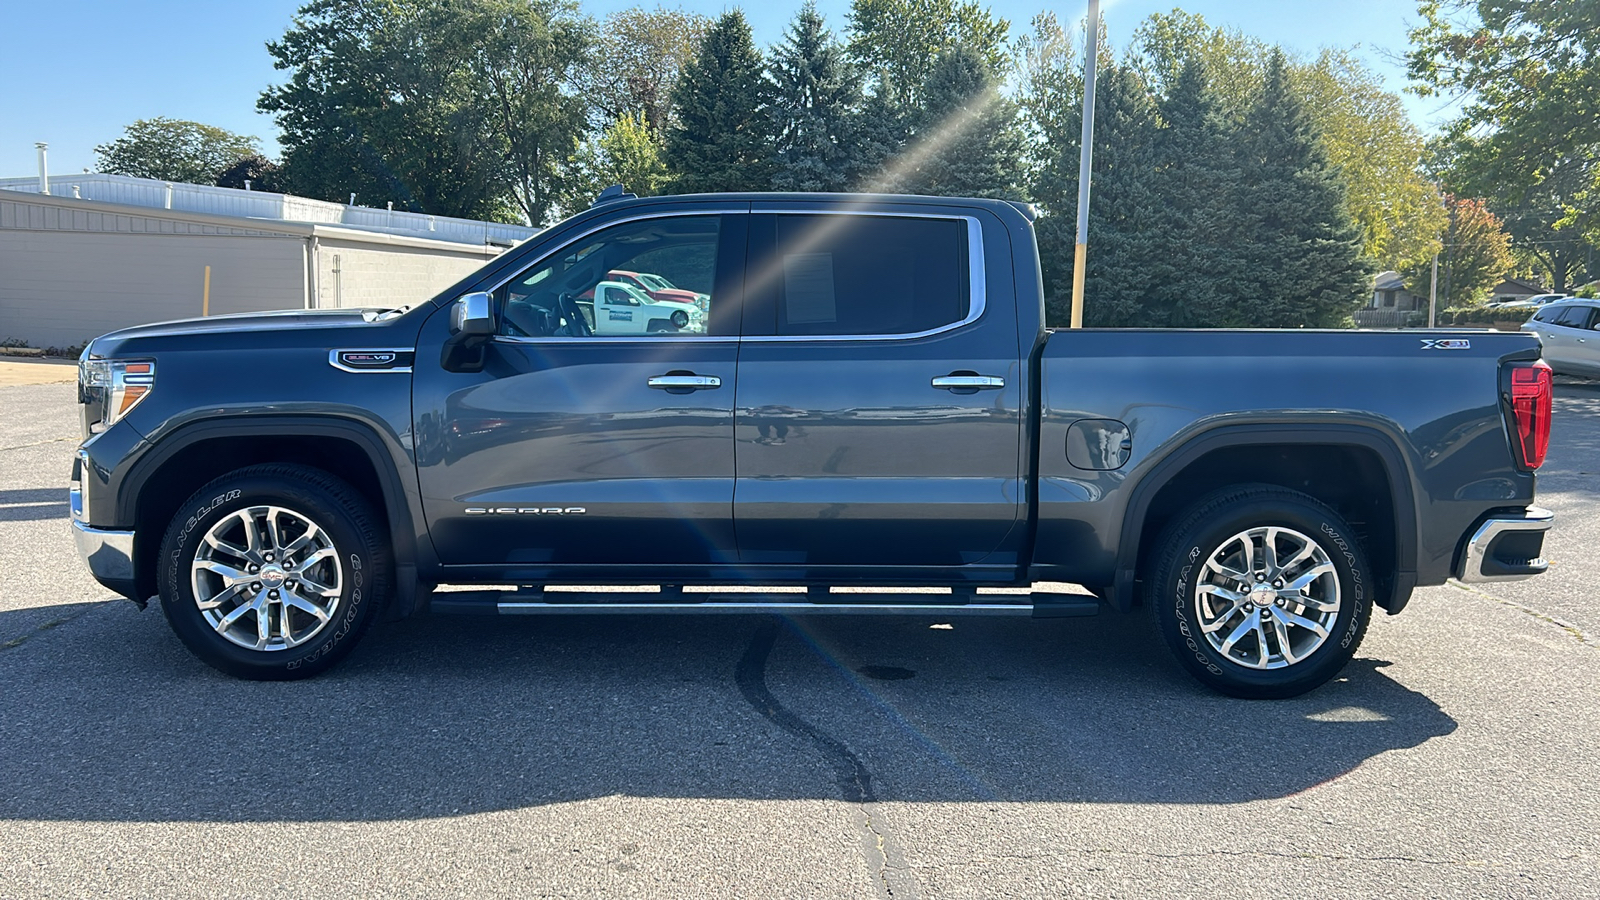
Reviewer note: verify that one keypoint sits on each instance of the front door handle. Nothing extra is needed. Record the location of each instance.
(969, 382)
(683, 382)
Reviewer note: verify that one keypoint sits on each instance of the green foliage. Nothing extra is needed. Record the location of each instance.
(899, 41)
(637, 59)
(1527, 137)
(1126, 214)
(455, 109)
(967, 143)
(816, 109)
(628, 153)
(1476, 256)
(1486, 315)
(262, 173)
(1304, 265)
(174, 150)
(722, 140)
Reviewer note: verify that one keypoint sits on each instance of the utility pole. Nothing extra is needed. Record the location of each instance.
(1433, 294)
(1080, 259)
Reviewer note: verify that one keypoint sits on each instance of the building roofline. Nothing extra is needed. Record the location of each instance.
(274, 226)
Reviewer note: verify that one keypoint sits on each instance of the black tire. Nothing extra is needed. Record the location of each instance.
(1213, 525)
(348, 526)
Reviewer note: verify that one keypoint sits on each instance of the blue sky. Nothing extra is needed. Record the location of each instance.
(75, 72)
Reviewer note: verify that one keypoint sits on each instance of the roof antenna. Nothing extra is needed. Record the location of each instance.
(612, 194)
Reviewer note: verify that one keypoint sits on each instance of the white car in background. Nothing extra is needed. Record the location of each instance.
(621, 309)
(1533, 302)
(1569, 331)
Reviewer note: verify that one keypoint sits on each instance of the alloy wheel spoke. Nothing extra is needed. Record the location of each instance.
(232, 592)
(1308, 576)
(301, 542)
(1298, 621)
(230, 575)
(316, 587)
(1269, 551)
(238, 612)
(1251, 621)
(314, 558)
(1229, 573)
(1280, 631)
(252, 531)
(294, 598)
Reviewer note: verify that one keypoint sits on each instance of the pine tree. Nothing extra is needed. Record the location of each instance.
(1303, 262)
(1126, 213)
(722, 140)
(968, 143)
(816, 101)
(1198, 179)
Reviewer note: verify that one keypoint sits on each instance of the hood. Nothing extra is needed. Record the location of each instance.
(676, 295)
(268, 329)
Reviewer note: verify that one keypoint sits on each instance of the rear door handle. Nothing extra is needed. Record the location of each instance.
(684, 381)
(969, 382)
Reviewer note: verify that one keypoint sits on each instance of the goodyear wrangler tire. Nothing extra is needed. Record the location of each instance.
(273, 572)
(1261, 592)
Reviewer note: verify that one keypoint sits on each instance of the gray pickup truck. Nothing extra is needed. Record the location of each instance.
(802, 399)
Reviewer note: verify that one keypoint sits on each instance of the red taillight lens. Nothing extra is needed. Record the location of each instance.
(1531, 394)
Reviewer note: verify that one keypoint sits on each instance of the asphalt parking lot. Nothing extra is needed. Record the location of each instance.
(746, 757)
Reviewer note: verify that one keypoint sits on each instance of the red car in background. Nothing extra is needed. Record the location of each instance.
(655, 286)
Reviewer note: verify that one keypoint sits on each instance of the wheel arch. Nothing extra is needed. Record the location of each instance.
(1185, 464)
(158, 483)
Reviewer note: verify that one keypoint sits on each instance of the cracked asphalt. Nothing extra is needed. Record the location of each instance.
(751, 757)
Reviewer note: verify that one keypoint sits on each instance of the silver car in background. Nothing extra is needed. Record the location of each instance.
(1569, 330)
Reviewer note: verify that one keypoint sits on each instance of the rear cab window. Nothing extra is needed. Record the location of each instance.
(835, 275)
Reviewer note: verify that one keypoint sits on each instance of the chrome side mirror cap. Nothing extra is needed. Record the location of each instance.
(473, 315)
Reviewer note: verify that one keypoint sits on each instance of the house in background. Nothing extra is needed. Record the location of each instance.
(1389, 292)
(1515, 289)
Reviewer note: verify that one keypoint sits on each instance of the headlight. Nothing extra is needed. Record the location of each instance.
(109, 388)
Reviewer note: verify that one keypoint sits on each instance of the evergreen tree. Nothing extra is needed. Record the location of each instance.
(722, 140)
(816, 101)
(1303, 262)
(968, 143)
(882, 129)
(1198, 179)
(1126, 213)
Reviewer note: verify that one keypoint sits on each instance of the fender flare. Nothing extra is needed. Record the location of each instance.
(398, 513)
(1164, 470)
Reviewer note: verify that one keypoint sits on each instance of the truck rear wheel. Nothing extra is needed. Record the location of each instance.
(1261, 592)
(273, 572)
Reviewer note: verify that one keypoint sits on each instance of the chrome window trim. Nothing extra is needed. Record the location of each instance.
(333, 359)
(977, 293)
(977, 299)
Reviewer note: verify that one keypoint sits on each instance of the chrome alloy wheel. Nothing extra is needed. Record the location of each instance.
(1267, 597)
(267, 578)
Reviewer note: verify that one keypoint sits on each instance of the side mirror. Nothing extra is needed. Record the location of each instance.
(471, 326)
(473, 315)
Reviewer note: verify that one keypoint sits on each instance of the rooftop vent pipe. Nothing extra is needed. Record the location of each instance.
(44, 168)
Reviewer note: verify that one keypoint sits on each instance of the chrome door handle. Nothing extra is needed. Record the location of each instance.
(684, 382)
(969, 382)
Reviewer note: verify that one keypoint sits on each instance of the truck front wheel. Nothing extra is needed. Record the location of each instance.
(1261, 592)
(273, 572)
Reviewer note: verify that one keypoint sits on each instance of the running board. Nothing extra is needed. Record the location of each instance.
(1039, 605)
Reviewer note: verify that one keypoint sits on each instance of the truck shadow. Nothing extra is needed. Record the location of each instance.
(111, 720)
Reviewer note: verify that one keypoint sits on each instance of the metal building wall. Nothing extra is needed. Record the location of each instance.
(71, 273)
(352, 274)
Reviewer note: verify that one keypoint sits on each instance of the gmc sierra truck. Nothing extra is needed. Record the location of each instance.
(869, 399)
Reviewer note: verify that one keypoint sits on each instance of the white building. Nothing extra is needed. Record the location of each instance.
(102, 252)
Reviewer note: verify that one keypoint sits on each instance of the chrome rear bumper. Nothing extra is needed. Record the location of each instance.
(1507, 548)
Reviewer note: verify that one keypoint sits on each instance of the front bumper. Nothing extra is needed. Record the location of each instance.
(108, 553)
(1507, 548)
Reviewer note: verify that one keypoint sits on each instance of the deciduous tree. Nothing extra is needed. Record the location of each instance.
(174, 150)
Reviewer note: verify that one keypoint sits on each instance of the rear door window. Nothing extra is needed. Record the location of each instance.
(1575, 317)
(825, 275)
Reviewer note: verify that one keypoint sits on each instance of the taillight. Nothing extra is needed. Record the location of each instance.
(1531, 395)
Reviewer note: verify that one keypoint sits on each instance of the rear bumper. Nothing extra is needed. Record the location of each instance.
(1507, 548)
(109, 555)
